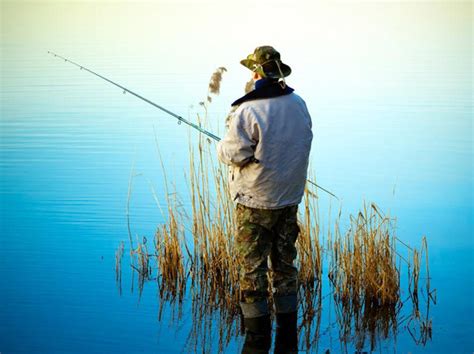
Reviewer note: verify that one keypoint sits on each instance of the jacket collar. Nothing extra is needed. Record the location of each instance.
(264, 89)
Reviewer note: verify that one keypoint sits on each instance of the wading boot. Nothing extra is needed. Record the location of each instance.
(286, 341)
(258, 335)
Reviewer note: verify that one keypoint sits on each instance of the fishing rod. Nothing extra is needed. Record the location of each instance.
(179, 118)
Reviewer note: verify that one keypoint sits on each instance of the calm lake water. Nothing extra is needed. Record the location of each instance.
(398, 133)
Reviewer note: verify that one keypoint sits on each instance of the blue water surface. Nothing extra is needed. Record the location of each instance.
(71, 142)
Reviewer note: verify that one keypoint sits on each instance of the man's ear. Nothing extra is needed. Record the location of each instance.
(256, 76)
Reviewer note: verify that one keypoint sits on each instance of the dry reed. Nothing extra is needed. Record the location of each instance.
(365, 277)
(216, 79)
(118, 266)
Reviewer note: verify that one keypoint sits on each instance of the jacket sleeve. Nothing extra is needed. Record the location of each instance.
(238, 145)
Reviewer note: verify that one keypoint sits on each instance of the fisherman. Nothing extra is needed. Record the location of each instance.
(267, 148)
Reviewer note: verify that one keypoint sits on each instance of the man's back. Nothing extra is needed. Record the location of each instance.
(278, 132)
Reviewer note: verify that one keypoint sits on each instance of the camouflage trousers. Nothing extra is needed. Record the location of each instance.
(265, 243)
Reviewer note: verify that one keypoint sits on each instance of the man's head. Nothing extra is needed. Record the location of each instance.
(265, 61)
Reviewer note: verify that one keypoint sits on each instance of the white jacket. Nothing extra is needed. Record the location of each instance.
(277, 132)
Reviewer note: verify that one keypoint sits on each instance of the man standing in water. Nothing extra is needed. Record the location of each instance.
(267, 149)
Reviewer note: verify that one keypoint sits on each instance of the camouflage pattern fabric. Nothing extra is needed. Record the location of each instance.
(266, 61)
(262, 235)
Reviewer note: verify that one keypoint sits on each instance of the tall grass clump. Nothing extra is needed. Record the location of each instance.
(364, 260)
(170, 260)
(365, 277)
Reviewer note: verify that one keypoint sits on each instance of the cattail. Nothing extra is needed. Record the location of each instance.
(215, 83)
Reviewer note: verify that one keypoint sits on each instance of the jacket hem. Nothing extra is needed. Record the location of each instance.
(267, 207)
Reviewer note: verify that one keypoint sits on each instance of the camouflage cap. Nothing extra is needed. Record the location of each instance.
(265, 60)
